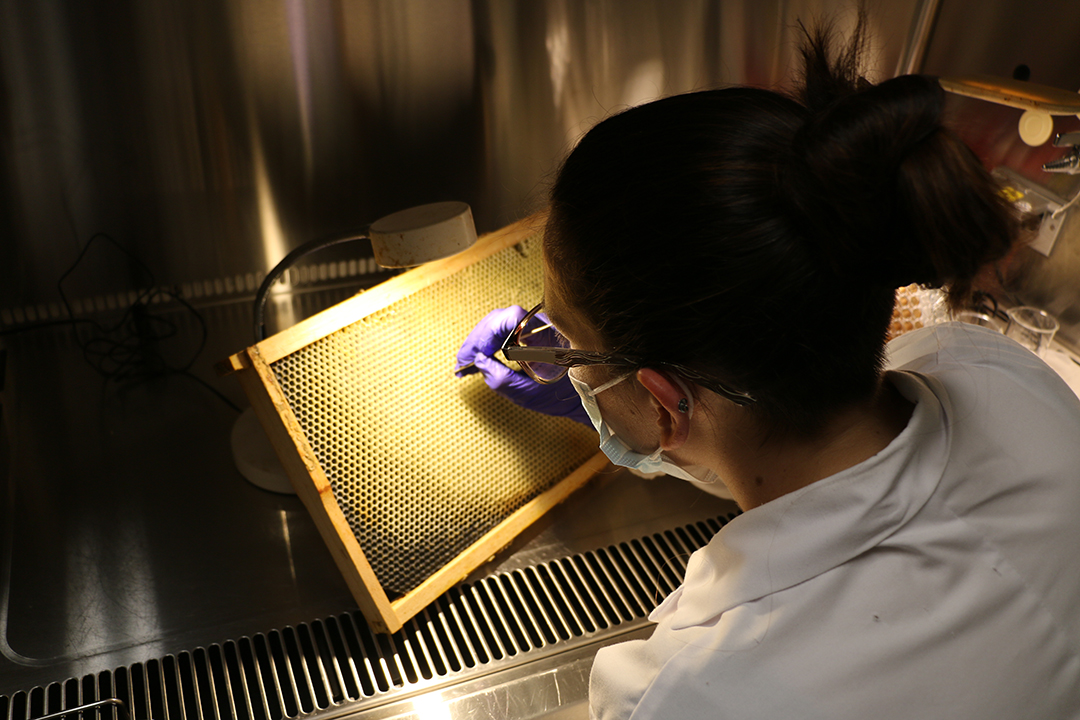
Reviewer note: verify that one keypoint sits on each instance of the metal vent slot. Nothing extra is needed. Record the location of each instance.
(473, 628)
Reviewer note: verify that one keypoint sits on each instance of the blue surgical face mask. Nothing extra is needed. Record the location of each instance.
(620, 453)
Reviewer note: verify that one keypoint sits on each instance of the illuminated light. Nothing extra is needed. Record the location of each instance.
(646, 83)
(301, 66)
(431, 707)
(557, 44)
(274, 245)
(286, 537)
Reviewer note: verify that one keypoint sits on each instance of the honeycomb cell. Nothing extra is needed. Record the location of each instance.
(917, 307)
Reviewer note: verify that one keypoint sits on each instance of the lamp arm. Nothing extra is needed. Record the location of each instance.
(287, 262)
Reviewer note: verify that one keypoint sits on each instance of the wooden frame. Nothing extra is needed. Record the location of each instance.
(252, 367)
(1014, 93)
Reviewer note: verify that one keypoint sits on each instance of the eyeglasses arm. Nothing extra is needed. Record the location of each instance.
(567, 357)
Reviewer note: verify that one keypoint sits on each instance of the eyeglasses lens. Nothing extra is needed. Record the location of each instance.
(538, 332)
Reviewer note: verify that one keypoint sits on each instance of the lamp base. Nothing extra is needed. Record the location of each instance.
(255, 457)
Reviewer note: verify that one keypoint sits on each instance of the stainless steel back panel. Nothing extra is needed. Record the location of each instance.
(213, 137)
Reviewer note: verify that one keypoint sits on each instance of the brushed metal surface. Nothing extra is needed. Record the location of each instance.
(126, 528)
(126, 532)
(549, 688)
(214, 137)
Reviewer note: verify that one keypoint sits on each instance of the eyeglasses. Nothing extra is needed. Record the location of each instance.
(546, 356)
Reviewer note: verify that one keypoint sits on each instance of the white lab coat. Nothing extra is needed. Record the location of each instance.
(938, 579)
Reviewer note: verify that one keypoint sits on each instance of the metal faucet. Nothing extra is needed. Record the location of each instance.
(1070, 163)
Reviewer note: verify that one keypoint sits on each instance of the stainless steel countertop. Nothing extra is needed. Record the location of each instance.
(128, 534)
(127, 531)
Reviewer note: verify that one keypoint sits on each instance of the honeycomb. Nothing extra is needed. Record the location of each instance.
(917, 307)
(423, 463)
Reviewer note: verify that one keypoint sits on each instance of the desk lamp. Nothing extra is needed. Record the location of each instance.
(403, 239)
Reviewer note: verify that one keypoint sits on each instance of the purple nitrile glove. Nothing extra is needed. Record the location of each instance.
(559, 398)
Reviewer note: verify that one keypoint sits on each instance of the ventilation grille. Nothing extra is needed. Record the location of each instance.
(330, 662)
(350, 273)
(422, 463)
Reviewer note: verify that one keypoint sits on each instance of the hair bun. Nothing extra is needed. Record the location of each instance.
(877, 122)
(846, 176)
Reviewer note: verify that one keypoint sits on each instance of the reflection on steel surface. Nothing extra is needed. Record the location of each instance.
(214, 137)
(512, 645)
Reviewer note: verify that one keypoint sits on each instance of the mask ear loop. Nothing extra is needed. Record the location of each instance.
(605, 386)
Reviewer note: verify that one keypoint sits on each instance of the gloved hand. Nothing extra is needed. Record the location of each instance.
(559, 399)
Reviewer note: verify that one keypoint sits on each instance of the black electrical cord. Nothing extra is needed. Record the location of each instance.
(287, 262)
(128, 349)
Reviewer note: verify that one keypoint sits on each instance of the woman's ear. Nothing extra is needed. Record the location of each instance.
(672, 405)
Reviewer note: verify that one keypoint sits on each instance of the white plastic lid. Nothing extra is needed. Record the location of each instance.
(1036, 127)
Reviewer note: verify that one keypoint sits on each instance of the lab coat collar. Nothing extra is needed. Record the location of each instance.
(805, 533)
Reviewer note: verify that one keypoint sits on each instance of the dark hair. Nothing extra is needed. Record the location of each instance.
(759, 237)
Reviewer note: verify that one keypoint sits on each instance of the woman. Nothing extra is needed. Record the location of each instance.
(722, 265)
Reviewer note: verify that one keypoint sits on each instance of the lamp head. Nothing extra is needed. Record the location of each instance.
(422, 234)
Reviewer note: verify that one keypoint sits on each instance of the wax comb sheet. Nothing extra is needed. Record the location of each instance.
(422, 465)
